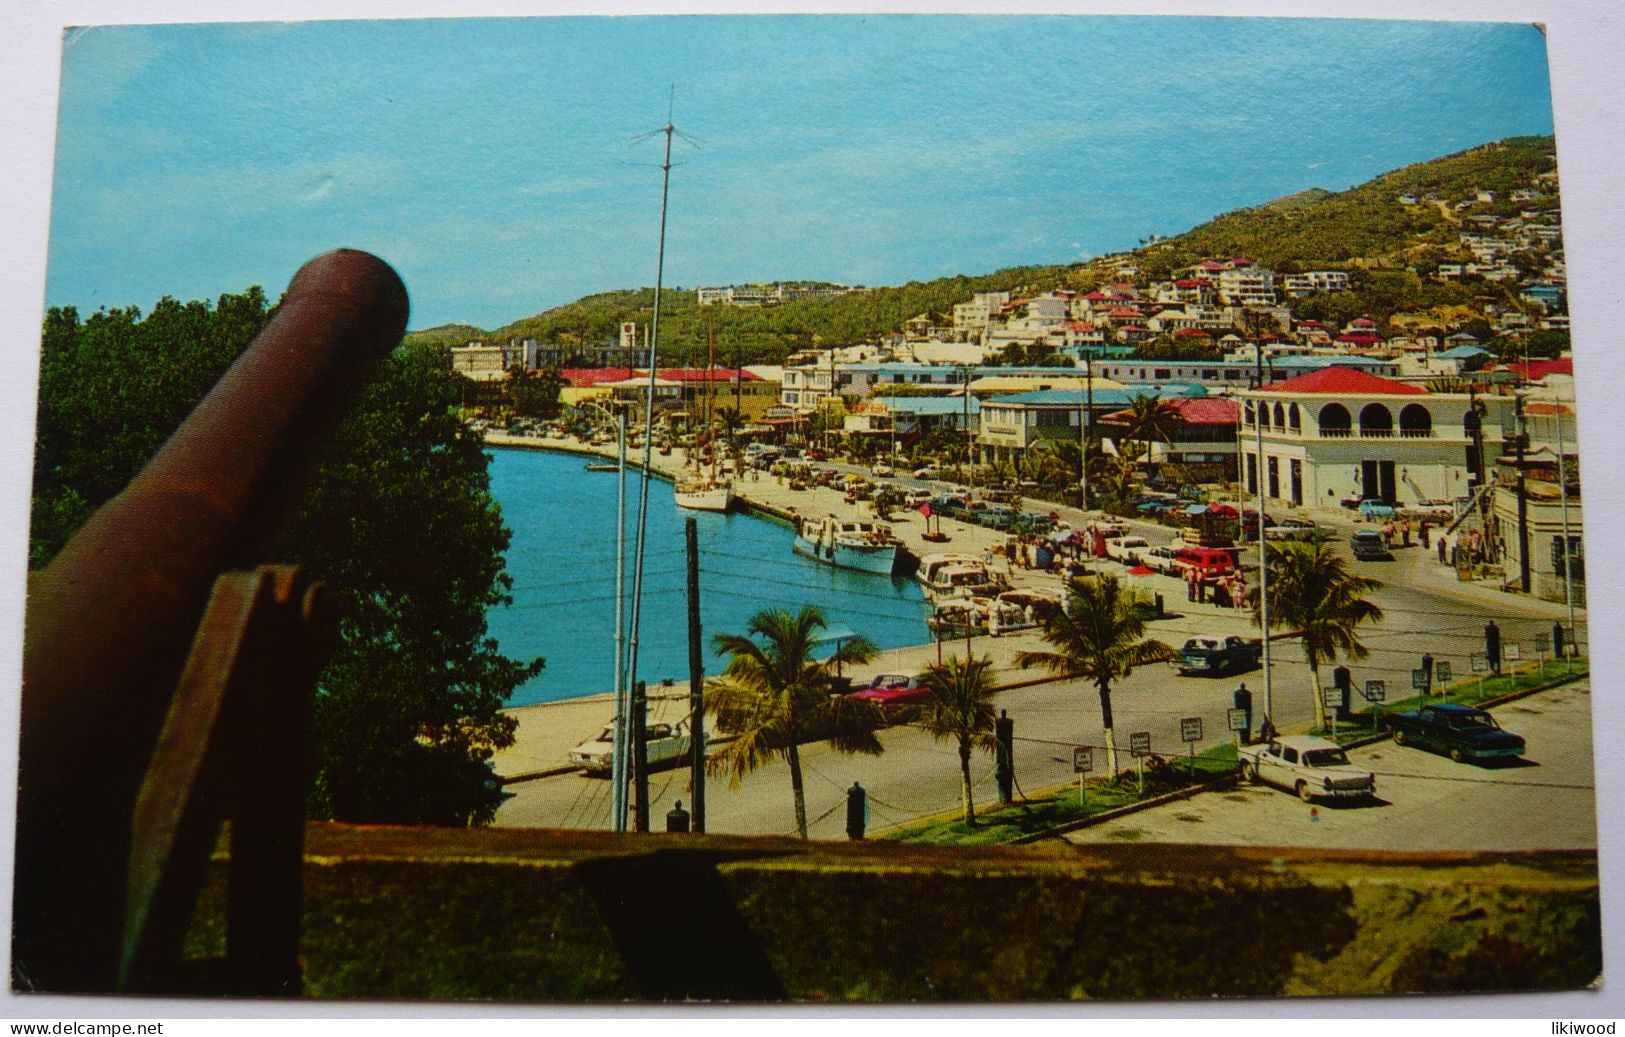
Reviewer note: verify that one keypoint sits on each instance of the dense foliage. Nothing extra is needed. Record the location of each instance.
(409, 709)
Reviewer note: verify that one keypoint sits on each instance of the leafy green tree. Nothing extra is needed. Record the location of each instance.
(1313, 591)
(963, 712)
(1099, 637)
(773, 695)
(408, 712)
(535, 394)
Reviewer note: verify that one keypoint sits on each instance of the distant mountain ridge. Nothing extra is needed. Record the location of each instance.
(1364, 226)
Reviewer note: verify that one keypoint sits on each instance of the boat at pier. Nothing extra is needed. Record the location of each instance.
(957, 576)
(705, 494)
(848, 544)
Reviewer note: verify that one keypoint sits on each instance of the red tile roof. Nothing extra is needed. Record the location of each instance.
(1195, 410)
(1191, 333)
(1361, 339)
(586, 376)
(1347, 381)
(1190, 282)
(1535, 370)
(1125, 311)
(701, 374)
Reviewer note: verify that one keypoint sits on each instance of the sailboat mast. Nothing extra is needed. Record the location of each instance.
(711, 392)
(649, 423)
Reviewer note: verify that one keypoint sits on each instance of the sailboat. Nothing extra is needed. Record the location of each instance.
(704, 491)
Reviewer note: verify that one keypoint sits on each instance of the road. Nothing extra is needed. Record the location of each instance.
(1425, 801)
(916, 775)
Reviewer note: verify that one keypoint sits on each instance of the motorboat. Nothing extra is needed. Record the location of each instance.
(848, 544)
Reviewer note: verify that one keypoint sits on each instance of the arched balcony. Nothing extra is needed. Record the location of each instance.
(1334, 421)
(1376, 420)
(1415, 422)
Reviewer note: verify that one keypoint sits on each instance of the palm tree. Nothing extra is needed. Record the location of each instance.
(963, 711)
(731, 421)
(1099, 636)
(773, 696)
(1313, 591)
(1149, 418)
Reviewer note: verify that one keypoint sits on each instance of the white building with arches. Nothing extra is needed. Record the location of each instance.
(1342, 434)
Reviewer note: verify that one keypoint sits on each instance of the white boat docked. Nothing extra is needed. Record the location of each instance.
(957, 576)
(705, 495)
(848, 544)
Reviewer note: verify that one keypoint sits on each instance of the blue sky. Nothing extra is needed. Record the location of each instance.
(493, 161)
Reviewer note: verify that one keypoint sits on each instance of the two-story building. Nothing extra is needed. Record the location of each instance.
(1344, 434)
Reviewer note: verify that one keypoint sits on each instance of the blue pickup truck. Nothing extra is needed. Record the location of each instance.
(1462, 732)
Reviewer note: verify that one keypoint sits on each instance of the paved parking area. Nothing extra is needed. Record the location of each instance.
(1425, 801)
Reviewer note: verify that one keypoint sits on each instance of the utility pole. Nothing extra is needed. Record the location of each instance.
(623, 730)
(965, 375)
(1520, 446)
(1088, 422)
(1263, 555)
(696, 679)
(640, 758)
(1568, 548)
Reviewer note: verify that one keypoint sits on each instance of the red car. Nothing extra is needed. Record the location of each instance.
(891, 690)
(812, 453)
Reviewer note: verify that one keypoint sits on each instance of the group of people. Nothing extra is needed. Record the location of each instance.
(1229, 591)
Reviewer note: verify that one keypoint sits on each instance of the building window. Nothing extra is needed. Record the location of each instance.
(1376, 420)
(1415, 421)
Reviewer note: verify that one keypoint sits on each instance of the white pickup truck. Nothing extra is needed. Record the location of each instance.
(1312, 767)
(667, 744)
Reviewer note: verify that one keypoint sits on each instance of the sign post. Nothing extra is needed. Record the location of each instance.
(1543, 642)
(1236, 720)
(1190, 732)
(1375, 691)
(1419, 684)
(1139, 743)
(1441, 677)
(1083, 761)
(1513, 652)
(1479, 663)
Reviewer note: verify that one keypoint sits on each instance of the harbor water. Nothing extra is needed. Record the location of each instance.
(562, 560)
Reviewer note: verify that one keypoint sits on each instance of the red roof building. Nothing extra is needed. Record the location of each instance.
(703, 374)
(1535, 370)
(582, 377)
(1346, 381)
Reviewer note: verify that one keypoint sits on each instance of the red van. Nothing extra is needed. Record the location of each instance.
(1211, 563)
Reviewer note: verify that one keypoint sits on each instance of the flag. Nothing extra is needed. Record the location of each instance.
(925, 509)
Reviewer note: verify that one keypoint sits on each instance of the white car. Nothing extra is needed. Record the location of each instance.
(1127, 549)
(1159, 559)
(1290, 529)
(882, 471)
(1312, 767)
(667, 744)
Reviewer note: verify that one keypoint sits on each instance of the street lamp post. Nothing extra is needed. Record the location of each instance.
(1085, 422)
(1263, 556)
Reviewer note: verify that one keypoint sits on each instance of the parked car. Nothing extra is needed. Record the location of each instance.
(666, 744)
(1312, 767)
(1290, 529)
(882, 470)
(1210, 563)
(1369, 546)
(1372, 509)
(1461, 732)
(1214, 656)
(892, 690)
(1127, 549)
(1440, 511)
(917, 496)
(813, 453)
(1162, 560)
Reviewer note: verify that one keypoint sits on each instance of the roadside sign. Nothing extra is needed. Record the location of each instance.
(1237, 719)
(1543, 643)
(1376, 691)
(1139, 743)
(1083, 759)
(1512, 650)
(1331, 695)
(1190, 729)
(1419, 680)
(1480, 662)
(1441, 673)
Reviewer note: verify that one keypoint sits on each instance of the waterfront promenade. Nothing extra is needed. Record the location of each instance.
(547, 731)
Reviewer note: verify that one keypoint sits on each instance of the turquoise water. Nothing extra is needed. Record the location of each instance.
(562, 561)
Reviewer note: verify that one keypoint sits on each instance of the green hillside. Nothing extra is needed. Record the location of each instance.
(1364, 228)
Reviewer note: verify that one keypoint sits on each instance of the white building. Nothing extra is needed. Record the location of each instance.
(1298, 285)
(1247, 286)
(1343, 434)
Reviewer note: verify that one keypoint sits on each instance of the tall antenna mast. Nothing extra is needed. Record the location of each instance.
(648, 416)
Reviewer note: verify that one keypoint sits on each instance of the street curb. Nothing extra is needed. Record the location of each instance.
(545, 772)
(1133, 808)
